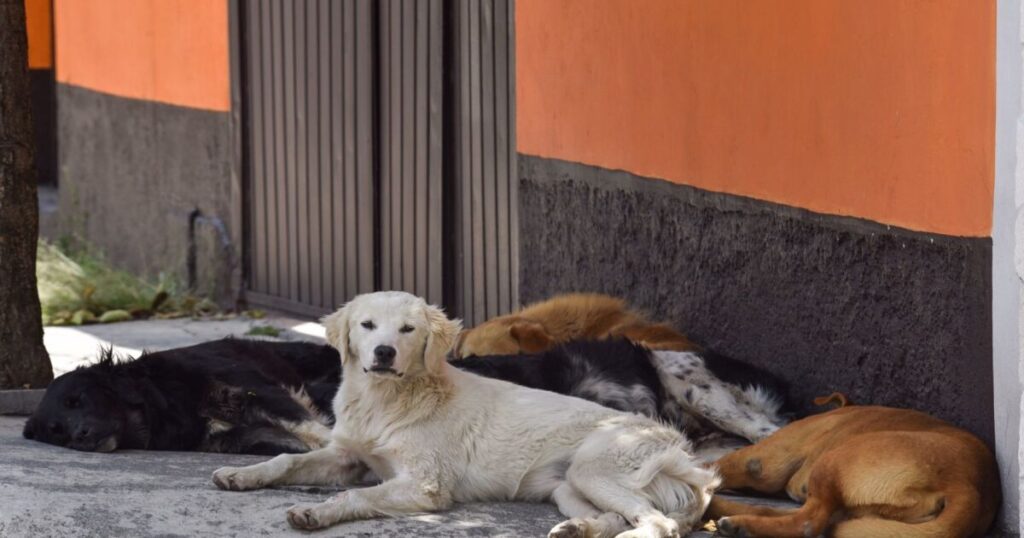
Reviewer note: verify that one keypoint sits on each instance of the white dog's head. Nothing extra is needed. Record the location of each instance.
(392, 334)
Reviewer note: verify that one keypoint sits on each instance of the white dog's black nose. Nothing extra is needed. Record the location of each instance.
(383, 356)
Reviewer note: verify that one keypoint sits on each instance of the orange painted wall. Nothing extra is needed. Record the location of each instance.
(881, 109)
(171, 51)
(38, 21)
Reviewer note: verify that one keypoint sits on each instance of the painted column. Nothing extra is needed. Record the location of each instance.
(1008, 257)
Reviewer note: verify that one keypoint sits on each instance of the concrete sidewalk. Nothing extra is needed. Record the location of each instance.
(57, 492)
(70, 347)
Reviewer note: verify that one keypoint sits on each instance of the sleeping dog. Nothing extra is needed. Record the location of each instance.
(863, 471)
(237, 396)
(564, 318)
(437, 435)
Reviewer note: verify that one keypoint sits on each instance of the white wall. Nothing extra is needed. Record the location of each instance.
(1008, 256)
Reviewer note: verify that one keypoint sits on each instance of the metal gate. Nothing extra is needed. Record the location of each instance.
(378, 152)
(308, 112)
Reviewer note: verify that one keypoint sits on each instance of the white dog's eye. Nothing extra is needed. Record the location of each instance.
(368, 325)
(407, 329)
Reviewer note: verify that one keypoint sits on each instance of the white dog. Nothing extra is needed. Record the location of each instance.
(436, 435)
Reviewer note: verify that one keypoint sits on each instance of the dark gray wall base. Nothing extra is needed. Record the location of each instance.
(885, 315)
(20, 402)
(131, 174)
(44, 122)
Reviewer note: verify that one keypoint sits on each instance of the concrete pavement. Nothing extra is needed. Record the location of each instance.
(73, 346)
(57, 492)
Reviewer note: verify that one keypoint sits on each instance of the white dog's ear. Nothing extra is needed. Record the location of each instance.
(336, 327)
(442, 333)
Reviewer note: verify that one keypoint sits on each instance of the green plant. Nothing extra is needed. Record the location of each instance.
(264, 330)
(78, 286)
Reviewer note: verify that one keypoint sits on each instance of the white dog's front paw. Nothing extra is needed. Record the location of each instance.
(570, 528)
(307, 517)
(653, 527)
(237, 478)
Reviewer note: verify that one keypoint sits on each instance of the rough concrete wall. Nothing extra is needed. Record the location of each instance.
(132, 173)
(887, 316)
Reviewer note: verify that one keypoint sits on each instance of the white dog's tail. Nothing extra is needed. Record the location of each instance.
(677, 484)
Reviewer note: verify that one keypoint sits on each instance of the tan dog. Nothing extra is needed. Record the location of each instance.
(866, 472)
(543, 325)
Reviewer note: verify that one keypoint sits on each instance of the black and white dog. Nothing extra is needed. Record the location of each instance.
(703, 394)
(244, 396)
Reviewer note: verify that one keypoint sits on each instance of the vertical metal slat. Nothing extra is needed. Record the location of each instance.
(364, 142)
(503, 271)
(300, 207)
(435, 180)
(278, 232)
(421, 126)
(384, 23)
(257, 213)
(326, 238)
(312, 216)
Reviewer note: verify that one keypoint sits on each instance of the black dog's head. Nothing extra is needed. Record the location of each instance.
(96, 409)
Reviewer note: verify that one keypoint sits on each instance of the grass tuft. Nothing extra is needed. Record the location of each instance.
(264, 330)
(77, 286)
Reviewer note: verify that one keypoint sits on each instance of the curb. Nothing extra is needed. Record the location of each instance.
(20, 402)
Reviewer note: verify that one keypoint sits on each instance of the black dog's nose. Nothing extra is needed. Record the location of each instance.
(82, 433)
(384, 356)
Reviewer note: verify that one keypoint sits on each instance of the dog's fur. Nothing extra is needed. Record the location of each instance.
(437, 435)
(229, 395)
(573, 316)
(687, 389)
(864, 472)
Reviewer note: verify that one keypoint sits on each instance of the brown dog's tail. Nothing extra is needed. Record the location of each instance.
(658, 337)
(837, 398)
(961, 517)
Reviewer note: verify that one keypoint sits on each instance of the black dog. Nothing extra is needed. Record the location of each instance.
(236, 396)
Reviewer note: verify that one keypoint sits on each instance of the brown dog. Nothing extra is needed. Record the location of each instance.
(864, 472)
(543, 325)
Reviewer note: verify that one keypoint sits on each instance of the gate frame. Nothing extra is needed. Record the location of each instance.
(239, 197)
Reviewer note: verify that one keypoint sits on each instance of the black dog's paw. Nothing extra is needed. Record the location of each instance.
(726, 527)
